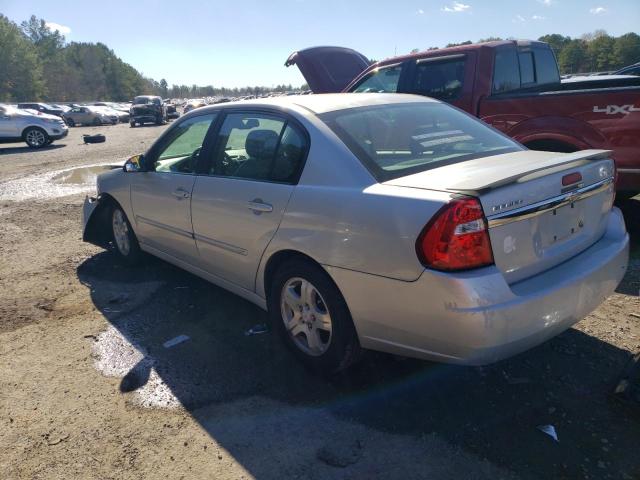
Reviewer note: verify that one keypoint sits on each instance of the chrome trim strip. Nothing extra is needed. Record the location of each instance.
(222, 245)
(153, 223)
(544, 206)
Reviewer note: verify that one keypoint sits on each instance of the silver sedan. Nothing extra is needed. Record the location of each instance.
(373, 221)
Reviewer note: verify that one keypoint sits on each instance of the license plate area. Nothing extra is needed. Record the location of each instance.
(561, 224)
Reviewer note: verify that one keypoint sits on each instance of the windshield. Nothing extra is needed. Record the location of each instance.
(400, 139)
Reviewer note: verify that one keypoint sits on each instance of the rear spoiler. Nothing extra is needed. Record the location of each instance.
(497, 178)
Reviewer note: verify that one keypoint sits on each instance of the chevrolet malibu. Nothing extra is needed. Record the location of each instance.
(384, 221)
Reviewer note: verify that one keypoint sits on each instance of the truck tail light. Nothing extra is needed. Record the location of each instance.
(456, 238)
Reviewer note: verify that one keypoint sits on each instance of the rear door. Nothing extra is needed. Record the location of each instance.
(328, 69)
(161, 195)
(238, 204)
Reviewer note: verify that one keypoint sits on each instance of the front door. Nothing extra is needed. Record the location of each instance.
(237, 207)
(8, 124)
(161, 195)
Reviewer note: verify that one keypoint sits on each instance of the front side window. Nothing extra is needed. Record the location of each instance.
(380, 80)
(181, 147)
(441, 79)
(259, 147)
(401, 139)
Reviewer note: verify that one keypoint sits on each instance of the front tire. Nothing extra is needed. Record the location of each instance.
(124, 239)
(36, 137)
(312, 318)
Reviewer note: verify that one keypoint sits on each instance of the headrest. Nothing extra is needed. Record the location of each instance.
(261, 143)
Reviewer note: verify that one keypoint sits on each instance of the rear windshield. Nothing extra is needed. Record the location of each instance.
(401, 139)
(146, 100)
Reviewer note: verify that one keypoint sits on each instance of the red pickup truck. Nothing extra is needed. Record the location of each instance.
(514, 86)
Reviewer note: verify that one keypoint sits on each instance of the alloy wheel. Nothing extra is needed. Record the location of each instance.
(306, 316)
(36, 138)
(120, 232)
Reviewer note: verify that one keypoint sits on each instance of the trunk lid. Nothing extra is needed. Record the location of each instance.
(535, 221)
(328, 69)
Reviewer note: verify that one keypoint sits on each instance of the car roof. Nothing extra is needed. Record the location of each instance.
(326, 102)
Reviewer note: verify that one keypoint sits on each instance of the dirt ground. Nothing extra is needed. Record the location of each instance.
(87, 389)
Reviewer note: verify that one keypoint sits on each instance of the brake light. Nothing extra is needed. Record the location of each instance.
(456, 238)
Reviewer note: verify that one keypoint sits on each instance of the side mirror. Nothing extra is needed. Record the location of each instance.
(134, 164)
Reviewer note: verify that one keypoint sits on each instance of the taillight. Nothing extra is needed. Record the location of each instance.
(456, 238)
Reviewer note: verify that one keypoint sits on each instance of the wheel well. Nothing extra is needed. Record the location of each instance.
(97, 230)
(548, 145)
(280, 258)
(24, 132)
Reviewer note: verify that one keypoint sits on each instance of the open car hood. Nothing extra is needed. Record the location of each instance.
(328, 69)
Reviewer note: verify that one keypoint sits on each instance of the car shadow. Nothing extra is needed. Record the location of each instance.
(631, 211)
(25, 149)
(492, 411)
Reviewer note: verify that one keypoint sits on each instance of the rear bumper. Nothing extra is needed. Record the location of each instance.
(476, 318)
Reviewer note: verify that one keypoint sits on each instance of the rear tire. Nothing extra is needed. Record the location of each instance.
(312, 318)
(35, 137)
(124, 239)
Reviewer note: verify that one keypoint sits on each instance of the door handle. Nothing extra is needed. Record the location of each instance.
(181, 193)
(258, 206)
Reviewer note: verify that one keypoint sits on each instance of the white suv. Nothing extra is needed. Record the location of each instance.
(37, 130)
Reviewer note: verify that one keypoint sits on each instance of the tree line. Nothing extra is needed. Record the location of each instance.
(37, 64)
(592, 52)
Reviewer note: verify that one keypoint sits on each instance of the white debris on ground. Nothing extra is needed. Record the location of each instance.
(116, 357)
(54, 184)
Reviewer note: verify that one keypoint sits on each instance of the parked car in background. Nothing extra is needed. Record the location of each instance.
(119, 115)
(64, 108)
(630, 70)
(513, 85)
(193, 104)
(37, 131)
(172, 112)
(89, 115)
(42, 108)
(389, 222)
(147, 109)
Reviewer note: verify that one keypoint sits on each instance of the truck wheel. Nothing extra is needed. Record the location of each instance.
(312, 318)
(35, 137)
(125, 241)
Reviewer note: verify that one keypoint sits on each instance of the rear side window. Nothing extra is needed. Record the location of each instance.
(527, 72)
(395, 140)
(506, 73)
(441, 79)
(546, 66)
(380, 80)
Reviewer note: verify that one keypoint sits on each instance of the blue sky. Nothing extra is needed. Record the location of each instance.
(245, 42)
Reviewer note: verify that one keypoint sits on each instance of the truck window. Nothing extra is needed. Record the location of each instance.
(506, 74)
(546, 66)
(441, 79)
(380, 80)
(527, 72)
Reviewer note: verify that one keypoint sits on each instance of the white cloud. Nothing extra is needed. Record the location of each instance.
(538, 17)
(597, 10)
(456, 7)
(519, 18)
(63, 29)
(546, 3)
(420, 11)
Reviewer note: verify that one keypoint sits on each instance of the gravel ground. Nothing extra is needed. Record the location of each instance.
(89, 390)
